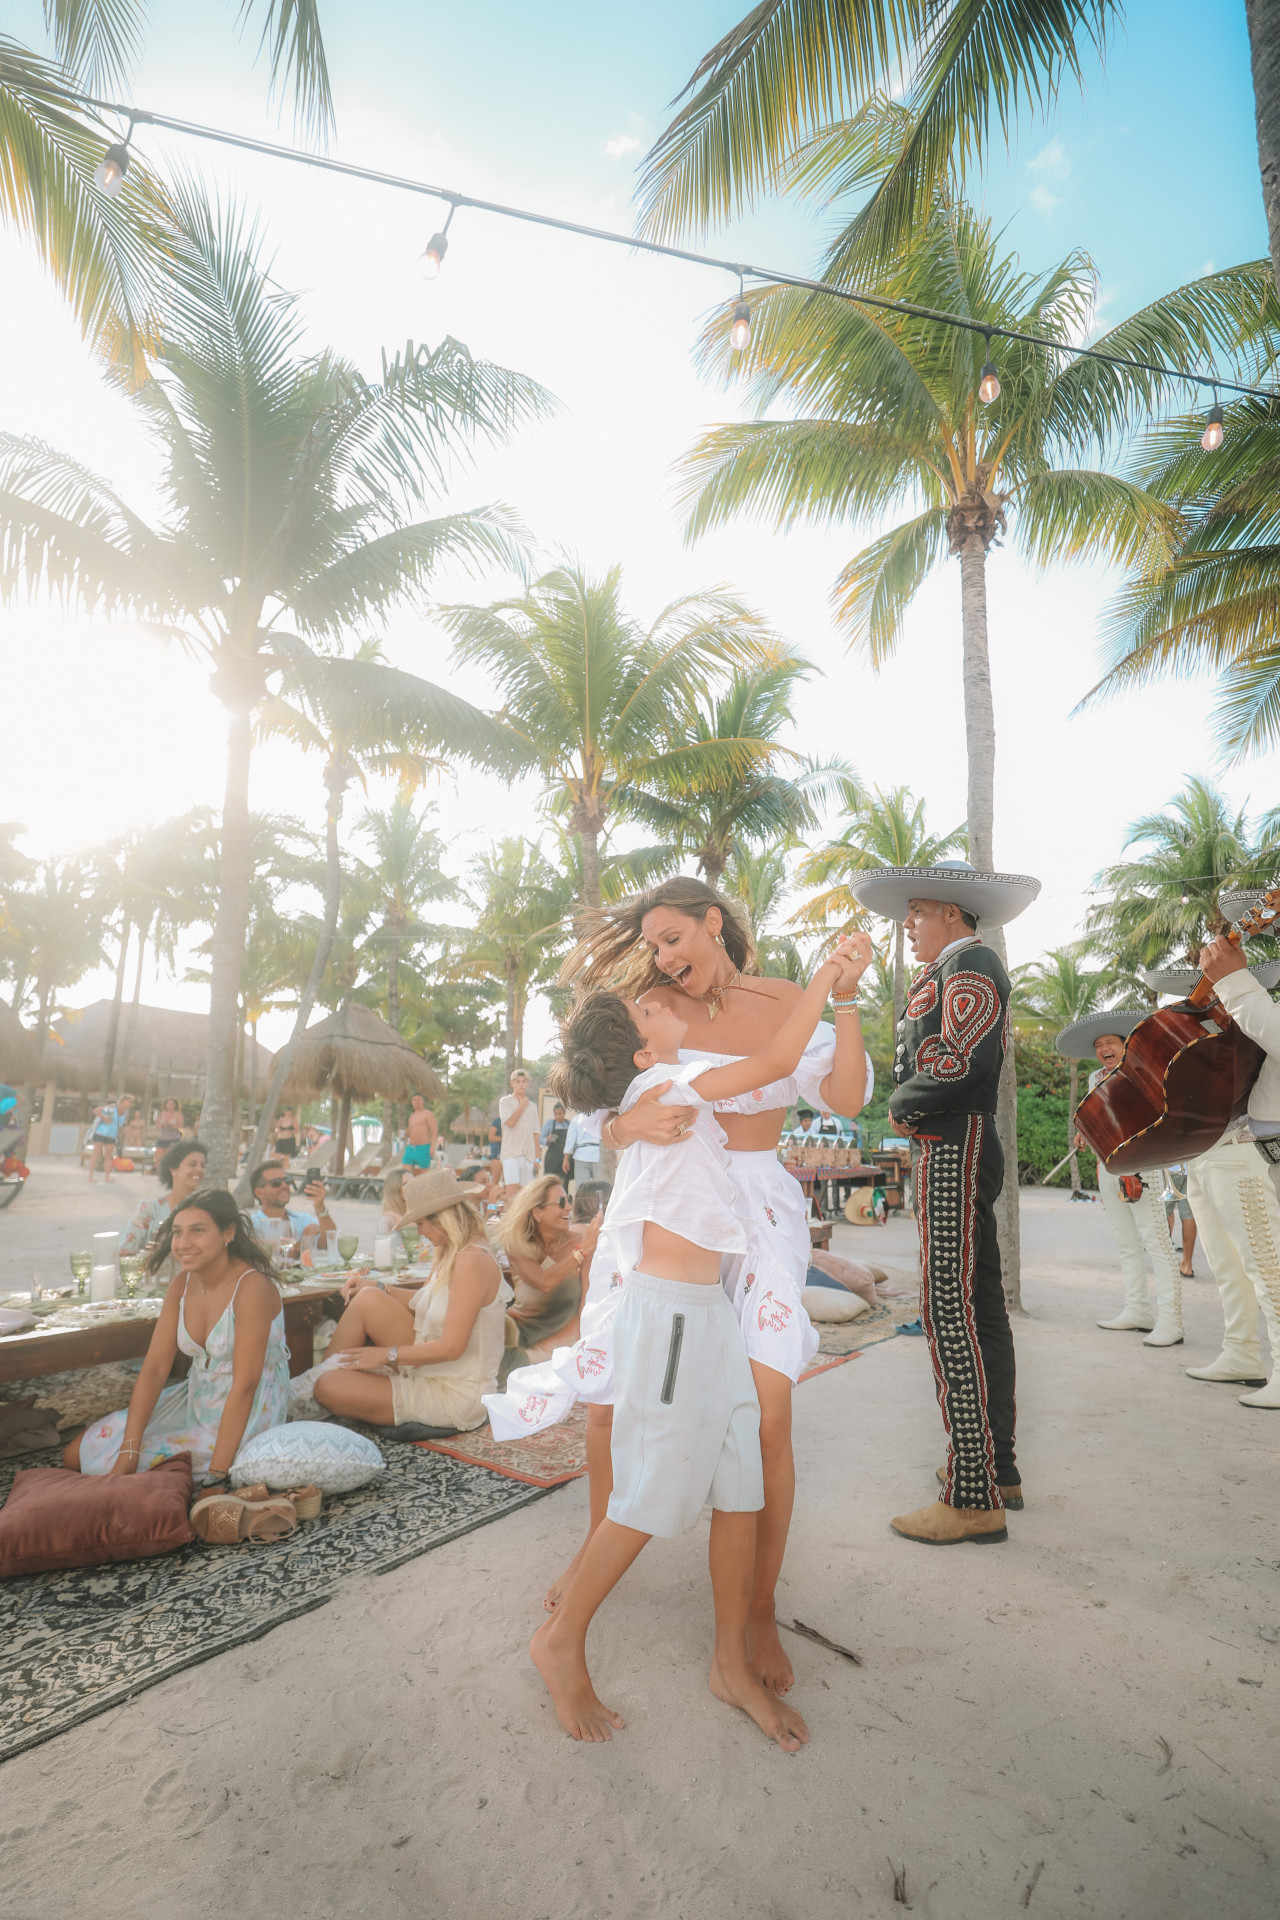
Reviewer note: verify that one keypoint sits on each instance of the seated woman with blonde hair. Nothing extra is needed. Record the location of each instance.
(432, 1361)
(549, 1260)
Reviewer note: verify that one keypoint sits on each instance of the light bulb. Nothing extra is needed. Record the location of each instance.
(108, 175)
(740, 331)
(1211, 438)
(1186, 899)
(989, 383)
(433, 258)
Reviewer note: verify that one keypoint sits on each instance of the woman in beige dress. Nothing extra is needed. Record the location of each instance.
(548, 1262)
(430, 1359)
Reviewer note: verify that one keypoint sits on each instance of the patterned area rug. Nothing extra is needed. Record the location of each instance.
(81, 1396)
(543, 1460)
(74, 1644)
(878, 1323)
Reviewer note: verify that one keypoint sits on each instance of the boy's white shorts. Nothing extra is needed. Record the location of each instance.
(686, 1421)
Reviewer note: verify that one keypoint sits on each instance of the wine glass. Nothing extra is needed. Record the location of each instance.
(348, 1247)
(129, 1264)
(410, 1235)
(81, 1267)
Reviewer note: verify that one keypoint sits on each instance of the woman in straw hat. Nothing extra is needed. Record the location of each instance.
(429, 1363)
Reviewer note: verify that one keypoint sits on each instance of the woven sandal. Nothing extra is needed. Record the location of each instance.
(225, 1519)
(306, 1501)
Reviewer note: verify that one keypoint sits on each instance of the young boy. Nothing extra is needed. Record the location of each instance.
(686, 1419)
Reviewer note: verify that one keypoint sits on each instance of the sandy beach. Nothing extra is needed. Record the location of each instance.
(1078, 1722)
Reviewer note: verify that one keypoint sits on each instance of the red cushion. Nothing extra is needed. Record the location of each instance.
(54, 1518)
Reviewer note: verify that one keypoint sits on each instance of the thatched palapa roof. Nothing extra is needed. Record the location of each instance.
(355, 1053)
(19, 1050)
(178, 1042)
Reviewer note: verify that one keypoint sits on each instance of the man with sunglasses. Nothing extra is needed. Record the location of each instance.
(270, 1187)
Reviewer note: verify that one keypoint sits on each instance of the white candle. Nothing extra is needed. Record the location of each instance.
(102, 1283)
(382, 1256)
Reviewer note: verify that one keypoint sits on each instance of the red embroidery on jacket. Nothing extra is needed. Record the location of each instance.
(970, 1008)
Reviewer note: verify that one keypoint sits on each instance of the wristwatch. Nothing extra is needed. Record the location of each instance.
(393, 1356)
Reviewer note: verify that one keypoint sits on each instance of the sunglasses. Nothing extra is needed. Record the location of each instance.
(564, 1201)
(282, 1182)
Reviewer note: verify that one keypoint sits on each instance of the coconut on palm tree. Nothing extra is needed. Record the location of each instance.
(880, 830)
(290, 483)
(600, 704)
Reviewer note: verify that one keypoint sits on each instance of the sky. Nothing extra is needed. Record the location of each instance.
(1153, 173)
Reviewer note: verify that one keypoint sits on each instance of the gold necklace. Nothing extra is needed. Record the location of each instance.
(713, 1000)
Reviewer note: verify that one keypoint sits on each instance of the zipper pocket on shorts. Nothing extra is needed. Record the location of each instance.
(673, 1359)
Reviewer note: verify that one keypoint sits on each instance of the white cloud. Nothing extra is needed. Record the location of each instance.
(620, 144)
(1052, 161)
(1043, 201)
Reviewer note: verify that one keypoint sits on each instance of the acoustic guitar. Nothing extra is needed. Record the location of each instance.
(1186, 1075)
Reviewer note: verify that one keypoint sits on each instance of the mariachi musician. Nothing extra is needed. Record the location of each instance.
(1132, 1203)
(950, 1049)
(1231, 1187)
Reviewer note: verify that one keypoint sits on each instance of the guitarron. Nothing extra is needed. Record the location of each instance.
(1186, 1075)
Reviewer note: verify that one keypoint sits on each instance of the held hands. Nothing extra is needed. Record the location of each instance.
(850, 958)
(1219, 959)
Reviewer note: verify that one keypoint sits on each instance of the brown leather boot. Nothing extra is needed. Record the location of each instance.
(944, 1526)
(1012, 1496)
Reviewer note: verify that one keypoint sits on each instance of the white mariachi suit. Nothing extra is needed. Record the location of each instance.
(1141, 1227)
(1237, 1212)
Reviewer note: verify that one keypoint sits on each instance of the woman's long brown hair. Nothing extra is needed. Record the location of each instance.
(612, 953)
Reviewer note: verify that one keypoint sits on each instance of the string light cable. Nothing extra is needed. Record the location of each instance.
(109, 178)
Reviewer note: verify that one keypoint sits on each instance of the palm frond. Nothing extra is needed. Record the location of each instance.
(872, 593)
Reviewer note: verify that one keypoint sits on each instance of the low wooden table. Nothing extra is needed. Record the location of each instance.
(28, 1356)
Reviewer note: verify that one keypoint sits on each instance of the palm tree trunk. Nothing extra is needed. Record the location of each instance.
(980, 740)
(113, 1020)
(237, 1096)
(589, 842)
(899, 983)
(1264, 47)
(336, 780)
(1072, 1093)
(227, 956)
(253, 1073)
(510, 1037)
(131, 1024)
(393, 983)
(344, 1128)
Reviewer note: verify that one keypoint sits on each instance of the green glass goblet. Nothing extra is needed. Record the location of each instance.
(348, 1246)
(410, 1236)
(81, 1268)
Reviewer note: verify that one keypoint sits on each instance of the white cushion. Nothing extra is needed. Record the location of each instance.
(833, 1303)
(308, 1453)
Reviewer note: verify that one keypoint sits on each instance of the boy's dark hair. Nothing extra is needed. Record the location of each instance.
(259, 1174)
(599, 1042)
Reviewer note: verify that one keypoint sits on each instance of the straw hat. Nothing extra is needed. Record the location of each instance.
(992, 898)
(1180, 980)
(1235, 902)
(1077, 1041)
(432, 1192)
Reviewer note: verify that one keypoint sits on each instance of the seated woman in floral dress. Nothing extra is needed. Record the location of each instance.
(181, 1172)
(224, 1310)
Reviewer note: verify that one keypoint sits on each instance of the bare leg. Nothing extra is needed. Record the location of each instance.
(356, 1396)
(732, 1557)
(599, 1487)
(559, 1648)
(768, 1655)
(372, 1319)
(1188, 1248)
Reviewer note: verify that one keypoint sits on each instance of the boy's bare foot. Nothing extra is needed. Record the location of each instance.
(768, 1655)
(583, 1715)
(556, 1592)
(775, 1721)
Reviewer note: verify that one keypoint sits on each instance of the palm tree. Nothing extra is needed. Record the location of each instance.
(728, 812)
(758, 880)
(1163, 901)
(289, 482)
(881, 830)
(598, 702)
(521, 905)
(58, 929)
(1054, 992)
(111, 256)
(777, 81)
(403, 878)
(1215, 603)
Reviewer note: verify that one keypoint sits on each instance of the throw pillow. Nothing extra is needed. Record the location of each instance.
(54, 1518)
(832, 1304)
(308, 1452)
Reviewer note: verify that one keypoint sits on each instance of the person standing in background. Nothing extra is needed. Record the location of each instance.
(519, 1132)
(583, 1147)
(423, 1131)
(109, 1120)
(555, 1132)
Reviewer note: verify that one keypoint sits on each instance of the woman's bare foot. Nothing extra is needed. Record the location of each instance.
(780, 1724)
(556, 1592)
(768, 1655)
(582, 1713)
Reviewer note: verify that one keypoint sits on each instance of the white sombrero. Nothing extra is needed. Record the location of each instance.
(1180, 980)
(1077, 1041)
(1235, 901)
(992, 898)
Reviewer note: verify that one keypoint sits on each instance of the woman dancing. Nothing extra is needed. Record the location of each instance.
(683, 943)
